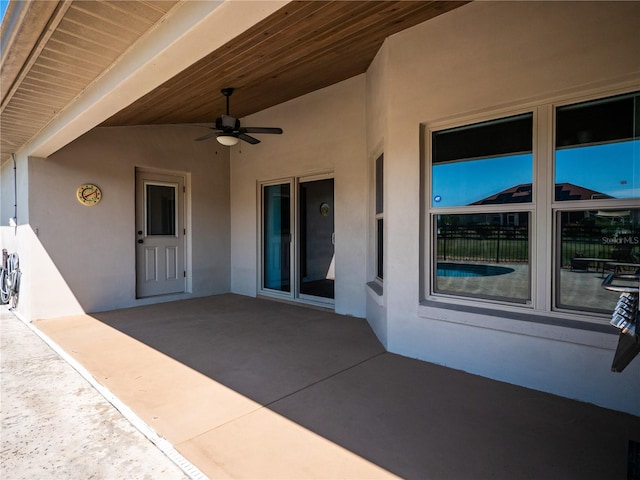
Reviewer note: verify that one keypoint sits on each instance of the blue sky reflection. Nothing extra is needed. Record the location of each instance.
(613, 169)
(3, 8)
(462, 183)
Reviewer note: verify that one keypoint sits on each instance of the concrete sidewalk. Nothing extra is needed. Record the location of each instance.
(55, 425)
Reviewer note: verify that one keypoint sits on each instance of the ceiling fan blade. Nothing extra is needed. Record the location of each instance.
(206, 137)
(248, 139)
(262, 130)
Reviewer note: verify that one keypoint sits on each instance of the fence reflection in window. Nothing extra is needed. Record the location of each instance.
(594, 243)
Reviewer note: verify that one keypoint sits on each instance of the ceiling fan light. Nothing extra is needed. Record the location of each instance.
(227, 140)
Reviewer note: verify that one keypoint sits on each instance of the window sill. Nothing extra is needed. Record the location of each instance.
(376, 292)
(549, 326)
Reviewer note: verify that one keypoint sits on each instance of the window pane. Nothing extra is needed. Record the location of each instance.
(483, 255)
(380, 233)
(598, 149)
(316, 258)
(594, 243)
(277, 237)
(484, 163)
(161, 210)
(379, 184)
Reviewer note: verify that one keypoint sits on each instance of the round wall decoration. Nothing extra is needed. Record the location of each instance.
(89, 194)
(324, 209)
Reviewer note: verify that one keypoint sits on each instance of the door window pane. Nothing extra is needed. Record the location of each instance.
(277, 237)
(598, 149)
(161, 210)
(594, 243)
(488, 162)
(483, 255)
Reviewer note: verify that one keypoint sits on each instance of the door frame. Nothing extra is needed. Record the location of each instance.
(182, 209)
(294, 293)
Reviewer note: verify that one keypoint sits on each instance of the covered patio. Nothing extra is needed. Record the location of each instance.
(253, 388)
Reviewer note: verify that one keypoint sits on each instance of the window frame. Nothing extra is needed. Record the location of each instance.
(432, 211)
(558, 206)
(544, 235)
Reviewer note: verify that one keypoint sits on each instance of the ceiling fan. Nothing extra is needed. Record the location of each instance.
(228, 129)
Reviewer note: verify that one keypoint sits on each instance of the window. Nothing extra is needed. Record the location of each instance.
(477, 164)
(592, 244)
(380, 217)
(501, 191)
(161, 209)
(480, 255)
(597, 157)
(484, 173)
(598, 149)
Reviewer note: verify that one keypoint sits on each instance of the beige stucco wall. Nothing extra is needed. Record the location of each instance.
(377, 94)
(481, 57)
(323, 132)
(88, 253)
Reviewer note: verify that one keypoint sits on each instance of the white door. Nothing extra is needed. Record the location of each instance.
(160, 233)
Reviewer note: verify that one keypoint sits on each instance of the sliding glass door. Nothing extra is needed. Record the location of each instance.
(297, 241)
(316, 232)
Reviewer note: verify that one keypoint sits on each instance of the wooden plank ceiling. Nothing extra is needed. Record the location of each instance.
(304, 46)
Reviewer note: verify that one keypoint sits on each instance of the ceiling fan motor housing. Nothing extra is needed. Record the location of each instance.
(227, 123)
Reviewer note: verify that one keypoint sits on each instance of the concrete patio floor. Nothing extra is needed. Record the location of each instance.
(251, 388)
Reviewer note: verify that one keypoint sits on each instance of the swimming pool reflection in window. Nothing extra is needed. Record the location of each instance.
(483, 255)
